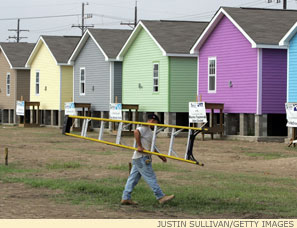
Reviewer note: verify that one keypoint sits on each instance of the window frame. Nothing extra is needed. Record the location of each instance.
(37, 94)
(80, 81)
(8, 85)
(158, 78)
(212, 75)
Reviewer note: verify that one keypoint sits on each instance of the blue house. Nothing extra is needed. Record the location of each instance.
(290, 41)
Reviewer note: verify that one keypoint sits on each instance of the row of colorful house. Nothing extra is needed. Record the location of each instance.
(244, 58)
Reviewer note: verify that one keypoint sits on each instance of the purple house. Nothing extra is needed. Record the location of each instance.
(242, 66)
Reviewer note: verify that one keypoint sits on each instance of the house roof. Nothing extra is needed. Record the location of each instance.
(61, 47)
(172, 37)
(109, 41)
(285, 41)
(262, 27)
(175, 36)
(16, 53)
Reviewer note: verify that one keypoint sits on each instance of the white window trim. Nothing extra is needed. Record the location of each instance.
(80, 81)
(37, 71)
(8, 94)
(216, 70)
(154, 78)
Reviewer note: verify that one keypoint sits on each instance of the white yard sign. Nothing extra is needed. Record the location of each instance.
(115, 111)
(291, 109)
(70, 109)
(197, 113)
(20, 108)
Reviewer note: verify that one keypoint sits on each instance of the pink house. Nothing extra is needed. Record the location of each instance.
(241, 65)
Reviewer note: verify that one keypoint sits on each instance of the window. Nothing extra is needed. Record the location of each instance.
(82, 87)
(212, 71)
(156, 78)
(8, 84)
(37, 83)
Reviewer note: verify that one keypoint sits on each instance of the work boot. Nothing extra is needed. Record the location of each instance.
(164, 199)
(128, 202)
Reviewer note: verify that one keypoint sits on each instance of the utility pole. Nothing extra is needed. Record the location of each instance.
(135, 18)
(83, 17)
(284, 4)
(18, 31)
(135, 14)
(279, 1)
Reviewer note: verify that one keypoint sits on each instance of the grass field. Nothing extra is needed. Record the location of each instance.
(239, 180)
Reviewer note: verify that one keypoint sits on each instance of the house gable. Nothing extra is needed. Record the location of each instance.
(237, 64)
(139, 28)
(80, 46)
(212, 26)
(97, 77)
(138, 75)
(49, 96)
(40, 44)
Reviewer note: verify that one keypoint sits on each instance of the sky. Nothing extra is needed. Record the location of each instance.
(107, 13)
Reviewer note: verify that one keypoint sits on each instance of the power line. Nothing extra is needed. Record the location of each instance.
(52, 29)
(41, 17)
(36, 6)
(45, 29)
(211, 13)
(110, 17)
(56, 30)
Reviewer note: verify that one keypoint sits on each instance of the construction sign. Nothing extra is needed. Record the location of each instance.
(115, 111)
(291, 110)
(70, 109)
(20, 108)
(197, 113)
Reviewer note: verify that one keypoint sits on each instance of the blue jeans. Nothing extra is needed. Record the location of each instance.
(141, 168)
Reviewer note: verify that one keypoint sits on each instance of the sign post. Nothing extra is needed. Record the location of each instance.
(197, 113)
(115, 111)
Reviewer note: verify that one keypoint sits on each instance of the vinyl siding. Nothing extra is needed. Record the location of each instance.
(97, 72)
(183, 83)
(23, 84)
(138, 70)
(292, 77)
(236, 62)
(49, 77)
(118, 81)
(67, 85)
(274, 80)
(6, 102)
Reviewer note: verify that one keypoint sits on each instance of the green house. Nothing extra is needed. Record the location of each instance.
(159, 73)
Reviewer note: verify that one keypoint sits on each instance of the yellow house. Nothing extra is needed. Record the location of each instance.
(51, 77)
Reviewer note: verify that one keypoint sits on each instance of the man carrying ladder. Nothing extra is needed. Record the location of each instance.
(142, 165)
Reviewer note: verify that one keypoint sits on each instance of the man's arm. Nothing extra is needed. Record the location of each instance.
(138, 141)
(164, 159)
